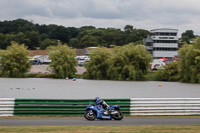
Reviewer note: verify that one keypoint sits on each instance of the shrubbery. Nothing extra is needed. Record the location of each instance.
(63, 61)
(129, 62)
(14, 61)
(190, 62)
(169, 72)
(98, 65)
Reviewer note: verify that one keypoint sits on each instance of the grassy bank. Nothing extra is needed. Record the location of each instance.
(105, 129)
(150, 76)
(42, 75)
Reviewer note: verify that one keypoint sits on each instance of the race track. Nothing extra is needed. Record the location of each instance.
(82, 121)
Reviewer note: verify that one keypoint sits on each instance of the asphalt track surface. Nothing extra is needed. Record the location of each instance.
(82, 121)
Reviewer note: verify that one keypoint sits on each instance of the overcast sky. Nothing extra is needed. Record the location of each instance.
(146, 14)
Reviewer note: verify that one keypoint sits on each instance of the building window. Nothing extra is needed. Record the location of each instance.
(165, 41)
(163, 34)
(164, 49)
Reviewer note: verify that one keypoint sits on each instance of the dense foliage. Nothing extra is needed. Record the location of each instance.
(190, 62)
(98, 65)
(63, 61)
(127, 62)
(186, 37)
(33, 35)
(14, 61)
(169, 72)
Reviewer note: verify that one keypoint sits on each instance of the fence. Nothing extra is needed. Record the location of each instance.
(58, 107)
(165, 106)
(76, 107)
(7, 106)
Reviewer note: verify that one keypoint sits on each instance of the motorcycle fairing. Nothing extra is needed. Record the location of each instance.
(99, 111)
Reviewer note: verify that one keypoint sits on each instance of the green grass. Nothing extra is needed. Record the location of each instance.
(105, 129)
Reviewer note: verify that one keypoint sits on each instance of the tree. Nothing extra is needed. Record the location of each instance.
(48, 42)
(63, 61)
(113, 36)
(14, 61)
(190, 62)
(88, 41)
(187, 36)
(34, 39)
(59, 32)
(5, 40)
(136, 35)
(189, 33)
(16, 26)
(129, 63)
(43, 36)
(128, 28)
(74, 42)
(97, 67)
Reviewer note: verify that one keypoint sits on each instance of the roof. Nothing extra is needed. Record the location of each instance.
(38, 52)
(164, 30)
(45, 52)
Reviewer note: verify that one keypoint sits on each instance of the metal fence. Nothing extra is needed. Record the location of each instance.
(7, 106)
(61, 107)
(165, 106)
(76, 107)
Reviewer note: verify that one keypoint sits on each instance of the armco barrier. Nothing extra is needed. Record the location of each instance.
(165, 106)
(76, 107)
(61, 107)
(7, 106)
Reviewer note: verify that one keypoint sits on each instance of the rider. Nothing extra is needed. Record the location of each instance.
(98, 101)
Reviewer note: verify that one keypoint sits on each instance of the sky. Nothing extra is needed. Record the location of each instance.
(145, 14)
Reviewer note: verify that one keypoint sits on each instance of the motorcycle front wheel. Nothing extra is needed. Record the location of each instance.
(117, 116)
(89, 115)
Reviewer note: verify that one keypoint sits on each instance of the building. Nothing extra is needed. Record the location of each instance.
(162, 43)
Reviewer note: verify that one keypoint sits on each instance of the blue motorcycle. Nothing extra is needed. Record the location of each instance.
(98, 112)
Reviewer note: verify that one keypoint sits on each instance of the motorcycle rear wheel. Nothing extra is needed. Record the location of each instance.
(89, 116)
(118, 116)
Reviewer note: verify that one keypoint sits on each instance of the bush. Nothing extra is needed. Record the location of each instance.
(169, 73)
(129, 62)
(39, 75)
(97, 67)
(150, 76)
(190, 62)
(63, 61)
(14, 61)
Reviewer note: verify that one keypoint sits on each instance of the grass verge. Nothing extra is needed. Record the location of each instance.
(105, 129)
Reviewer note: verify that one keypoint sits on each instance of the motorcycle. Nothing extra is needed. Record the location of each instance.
(98, 112)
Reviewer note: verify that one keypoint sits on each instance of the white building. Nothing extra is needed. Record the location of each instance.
(162, 43)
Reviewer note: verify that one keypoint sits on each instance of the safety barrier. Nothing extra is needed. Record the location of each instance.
(165, 106)
(76, 107)
(61, 107)
(7, 106)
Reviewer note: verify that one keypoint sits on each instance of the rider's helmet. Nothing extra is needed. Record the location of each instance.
(96, 99)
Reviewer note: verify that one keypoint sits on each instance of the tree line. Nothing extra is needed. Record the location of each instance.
(36, 36)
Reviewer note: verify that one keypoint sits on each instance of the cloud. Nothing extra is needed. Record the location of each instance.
(146, 14)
